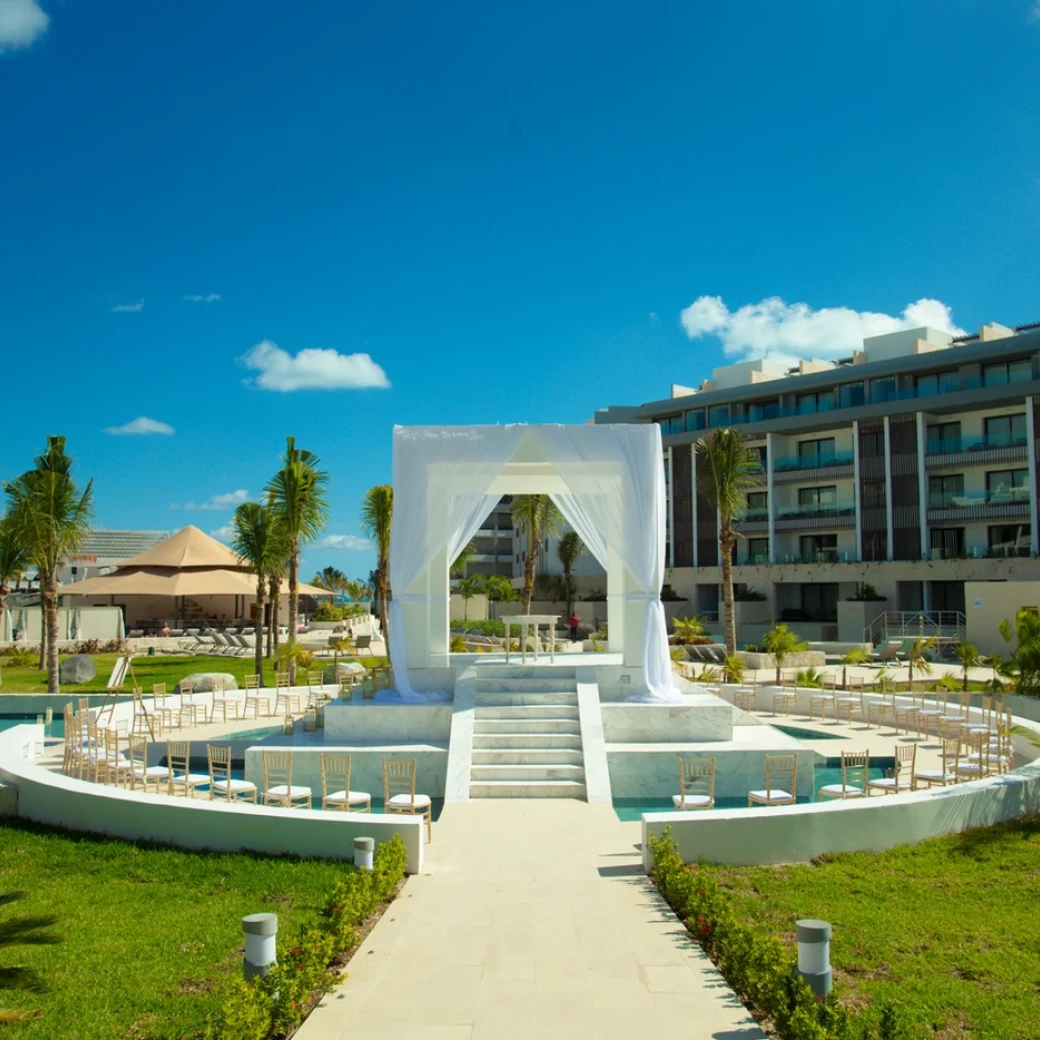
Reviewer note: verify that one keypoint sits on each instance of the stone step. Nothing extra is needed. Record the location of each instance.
(497, 738)
(517, 671)
(526, 711)
(520, 699)
(527, 772)
(527, 756)
(526, 724)
(527, 789)
(550, 684)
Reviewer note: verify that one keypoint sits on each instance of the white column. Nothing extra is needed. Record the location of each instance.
(670, 463)
(922, 485)
(1034, 533)
(615, 601)
(693, 497)
(856, 495)
(888, 494)
(770, 504)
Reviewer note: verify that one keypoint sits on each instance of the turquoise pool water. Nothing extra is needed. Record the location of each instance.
(55, 729)
(254, 734)
(629, 809)
(807, 734)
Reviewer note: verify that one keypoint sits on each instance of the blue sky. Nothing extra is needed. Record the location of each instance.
(509, 212)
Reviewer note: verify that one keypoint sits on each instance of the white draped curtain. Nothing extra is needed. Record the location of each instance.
(615, 498)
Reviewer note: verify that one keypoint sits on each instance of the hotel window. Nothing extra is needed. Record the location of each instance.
(718, 415)
(872, 444)
(823, 401)
(943, 490)
(1005, 431)
(882, 390)
(937, 383)
(851, 395)
(1007, 485)
(818, 548)
(757, 505)
(942, 438)
(695, 420)
(758, 550)
(760, 411)
(1010, 539)
(1000, 373)
(947, 543)
(761, 453)
(816, 453)
(818, 497)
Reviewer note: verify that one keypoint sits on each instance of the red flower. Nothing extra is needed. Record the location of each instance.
(705, 929)
(700, 920)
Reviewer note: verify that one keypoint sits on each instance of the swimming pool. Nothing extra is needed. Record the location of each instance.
(807, 734)
(55, 729)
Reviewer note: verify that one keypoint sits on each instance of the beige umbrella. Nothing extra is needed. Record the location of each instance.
(215, 582)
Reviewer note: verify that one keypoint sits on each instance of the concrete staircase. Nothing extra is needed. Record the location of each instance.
(526, 734)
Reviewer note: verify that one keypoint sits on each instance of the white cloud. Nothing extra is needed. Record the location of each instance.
(213, 297)
(224, 534)
(654, 318)
(785, 332)
(343, 541)
(123, 308)
(1034, 11)
(226, 501)
(22, 22)
(142, 425)
(312, 369)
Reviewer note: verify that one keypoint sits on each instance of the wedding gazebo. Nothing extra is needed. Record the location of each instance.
(606, 480)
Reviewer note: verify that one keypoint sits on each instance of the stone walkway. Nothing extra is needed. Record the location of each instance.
(532, 918)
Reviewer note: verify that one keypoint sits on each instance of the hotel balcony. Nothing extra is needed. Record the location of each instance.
(955, 452)
(835, 516)
(1004, 503)
(836, 465)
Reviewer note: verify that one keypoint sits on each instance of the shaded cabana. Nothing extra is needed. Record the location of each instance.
(188, 579)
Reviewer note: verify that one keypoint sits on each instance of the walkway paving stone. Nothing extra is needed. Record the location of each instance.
(532, 919)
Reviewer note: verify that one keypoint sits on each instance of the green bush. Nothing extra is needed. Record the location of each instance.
(274, 1006)
(328, 611)
(762, 971)
(486, 628)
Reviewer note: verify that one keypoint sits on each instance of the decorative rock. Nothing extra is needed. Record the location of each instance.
(346, 668)
(204, 682)
(79, 668)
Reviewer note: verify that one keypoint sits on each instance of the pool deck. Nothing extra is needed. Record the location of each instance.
(532, 918)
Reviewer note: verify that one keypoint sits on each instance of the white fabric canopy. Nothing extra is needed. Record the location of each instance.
(615, 500)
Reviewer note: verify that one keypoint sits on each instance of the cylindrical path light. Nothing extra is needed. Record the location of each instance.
(261, 932)
(814, 954)
(364, 853)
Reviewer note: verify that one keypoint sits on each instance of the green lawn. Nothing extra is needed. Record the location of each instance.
(151, 935)
(948, 929)
(169, 669)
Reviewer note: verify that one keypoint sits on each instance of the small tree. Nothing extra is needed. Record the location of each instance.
(916, 657)
(781, 642)
(855, 656)
(969, 657)
(569, 550)
(499, 590)
(377, 517)
(1024, 662)
(462, 561)
(538, 515)
(469, 587)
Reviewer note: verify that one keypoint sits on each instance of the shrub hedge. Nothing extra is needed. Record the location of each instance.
(759, 967)
(273, 1007)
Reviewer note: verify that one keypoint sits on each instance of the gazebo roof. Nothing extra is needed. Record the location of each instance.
(189, 547)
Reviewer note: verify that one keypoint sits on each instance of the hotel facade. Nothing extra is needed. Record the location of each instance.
(910, 466)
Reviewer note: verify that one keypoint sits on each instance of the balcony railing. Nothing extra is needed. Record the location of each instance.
(953, 445)
(820, 511)
(822, 460)
(968, 499)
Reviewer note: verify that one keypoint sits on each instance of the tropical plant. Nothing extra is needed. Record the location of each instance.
(710, 674)
(499, 589)
(730, 471)
(1003, 671)
(1024, 662)
(689, 629)
(357, 590)
(259, 540)
(295, 655)
(781, 642)
(539, 517)
(469, 587)
(551, 587)
(857, 655)
(377, 517)
(458, 645)
(463, 560)
(331, 578)
(885, 680)
(916, 656)
(297, 495)
(732, 669)
(24, 931)
(14, 561)
(809, 677)
(969, 657)
(569, 550)
(49, 516)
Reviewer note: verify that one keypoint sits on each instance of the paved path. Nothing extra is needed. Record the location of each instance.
(531, 919)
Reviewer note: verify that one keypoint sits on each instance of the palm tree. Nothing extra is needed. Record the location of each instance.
(24, 931)
(331, 578)
(781, 642)
(688, 629)
(377, 517)
(14, 561)
(569, 550)
(969, 657)
(915, 657)
(259, 540)
(49, 516)
(539, 515)
(856, 655)
(730, 471)
(469, 587)
(1002, 670)
(499, 590)
(1024, 662)
(297, 493)
(462, 561)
